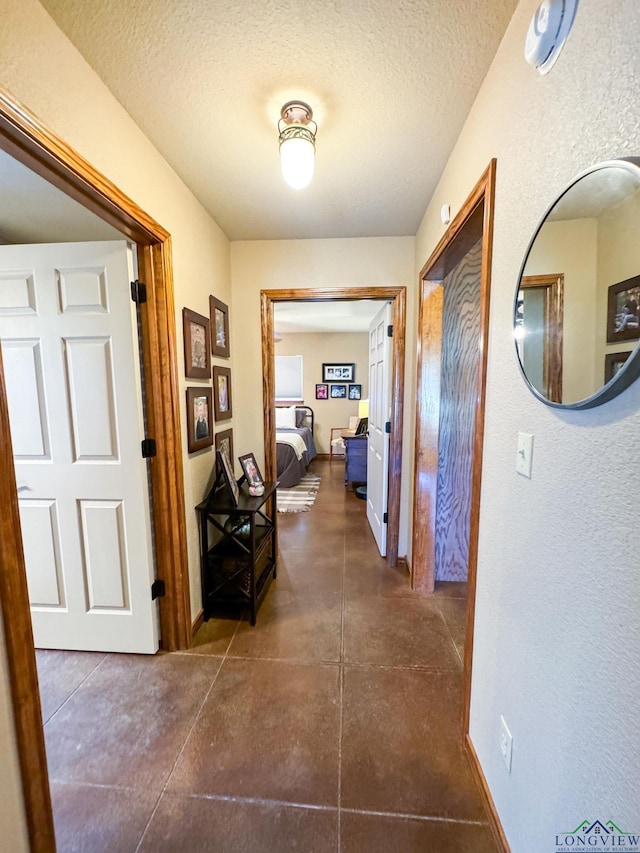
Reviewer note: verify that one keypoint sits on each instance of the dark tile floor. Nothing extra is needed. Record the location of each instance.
(330, 726)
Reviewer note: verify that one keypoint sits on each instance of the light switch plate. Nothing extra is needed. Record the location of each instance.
(506, 744)
(525, 453)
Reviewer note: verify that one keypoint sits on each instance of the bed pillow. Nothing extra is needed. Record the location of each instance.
(300, 416)
(286, 418)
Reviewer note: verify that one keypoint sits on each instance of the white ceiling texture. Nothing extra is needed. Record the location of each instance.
(390, 84)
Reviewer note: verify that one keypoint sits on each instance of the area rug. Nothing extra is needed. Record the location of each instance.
(299, 498)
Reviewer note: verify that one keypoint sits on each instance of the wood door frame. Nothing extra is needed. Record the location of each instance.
(398, 297)
(453, 245)
(26, 138)
(553, 285)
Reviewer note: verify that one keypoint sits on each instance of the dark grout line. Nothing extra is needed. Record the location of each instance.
(75, 690)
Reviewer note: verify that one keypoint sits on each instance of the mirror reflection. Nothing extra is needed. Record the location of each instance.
(576, 315)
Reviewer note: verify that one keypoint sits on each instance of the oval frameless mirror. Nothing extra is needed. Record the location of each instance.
(576, 318)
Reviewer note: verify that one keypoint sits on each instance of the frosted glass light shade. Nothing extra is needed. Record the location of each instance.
(363, 409)
(297, 156)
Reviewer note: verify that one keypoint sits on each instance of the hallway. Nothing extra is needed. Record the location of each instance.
(331, 725)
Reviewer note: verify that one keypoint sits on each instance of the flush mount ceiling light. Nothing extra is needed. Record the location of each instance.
(297, 143)
(548, 31)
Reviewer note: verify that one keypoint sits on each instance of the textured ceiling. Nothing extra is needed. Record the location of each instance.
(390, 85)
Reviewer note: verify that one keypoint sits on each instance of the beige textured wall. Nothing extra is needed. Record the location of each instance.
(558, 598)
(328, 347)
(77, 106)
(277, 264)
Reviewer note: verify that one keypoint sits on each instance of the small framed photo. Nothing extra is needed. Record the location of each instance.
(199, 419)
(339, 391)
(623, 316)
(322, 391)
(613, 361)
(226, 466)
(338, 372)
(222, 393)
(220, 327)
(355, 392)
(224, 438)
(251, 470)
(197, 343)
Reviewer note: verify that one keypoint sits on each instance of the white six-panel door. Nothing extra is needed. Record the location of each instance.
(69, 346)
(379, 415)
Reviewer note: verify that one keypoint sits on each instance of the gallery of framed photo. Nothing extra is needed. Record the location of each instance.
(355, 392)
(322, 391)
(251, 470)
(623, 317)
(196, 331)
(225, 466)
(222, 393)
(224, 438)
(613, 361)
(338, 392)
(338, 372)
(199, 420)
(219, 327)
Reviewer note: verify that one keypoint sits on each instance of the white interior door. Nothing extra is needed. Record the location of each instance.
(70, 352)
(379, 417)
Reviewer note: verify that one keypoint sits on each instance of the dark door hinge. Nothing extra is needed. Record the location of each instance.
(157, 590)
(148, 448)
(385, 518)
(387, 427)
(138, 292)
(389, 331)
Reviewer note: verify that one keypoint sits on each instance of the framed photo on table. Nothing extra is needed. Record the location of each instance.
(224, 438)
(251, 470)
(196, 331)
(338, 372)
(199, 419)
(225, 466)
(219, 327)
(222, 393)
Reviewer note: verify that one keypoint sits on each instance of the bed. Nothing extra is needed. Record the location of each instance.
(295, 447)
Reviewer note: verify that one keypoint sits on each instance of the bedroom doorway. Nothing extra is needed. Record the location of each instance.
(396, 296)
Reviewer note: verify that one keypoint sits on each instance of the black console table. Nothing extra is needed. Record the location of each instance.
(238, 567)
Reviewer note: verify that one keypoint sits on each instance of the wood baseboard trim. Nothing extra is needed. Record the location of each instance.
(403, 563)
(487, 799)
(197, 623)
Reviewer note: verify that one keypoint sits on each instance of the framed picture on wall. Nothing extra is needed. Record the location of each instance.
(199, 419)
(623, 316)
(322, 391)
(338, 372)
(355, 392)
(197, 343)
(220, 327)
(222, 393)
(338, 391)
(613, 361)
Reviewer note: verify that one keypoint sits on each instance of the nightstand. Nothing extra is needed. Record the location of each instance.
(355, 460)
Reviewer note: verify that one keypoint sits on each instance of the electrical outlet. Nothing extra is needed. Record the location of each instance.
(506, 744)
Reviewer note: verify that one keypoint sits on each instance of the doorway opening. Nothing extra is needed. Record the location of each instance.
(462, 262)
(397, 297)
(24, 137)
